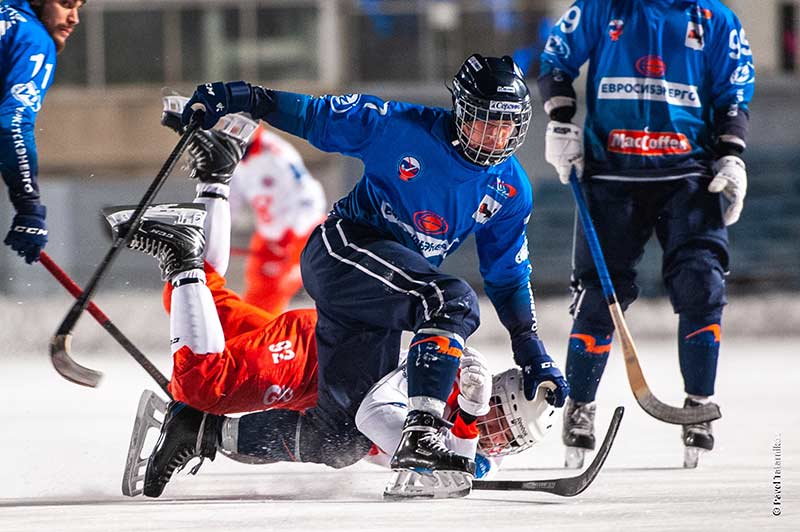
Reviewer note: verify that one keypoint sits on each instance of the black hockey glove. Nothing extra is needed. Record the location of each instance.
(28, 233)
(538, 367)
(213, 153)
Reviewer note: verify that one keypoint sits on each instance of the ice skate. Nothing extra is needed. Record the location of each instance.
(423, 467)
(578, 432)
(697, 438)
(213, 153)
(171, 232)
(186, 433)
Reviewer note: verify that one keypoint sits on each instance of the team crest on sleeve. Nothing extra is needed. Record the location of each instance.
(488, 208)
(28, 94)
(615, 28)
(408, 168)
(345, 102)
(557, 46)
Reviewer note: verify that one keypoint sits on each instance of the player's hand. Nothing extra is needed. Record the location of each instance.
(538, 367)
(563, 148)
(730, 178)
(475, 383)
(217, 100)
(28, 233)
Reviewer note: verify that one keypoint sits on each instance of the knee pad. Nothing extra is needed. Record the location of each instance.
(459, 313)
(695, 282)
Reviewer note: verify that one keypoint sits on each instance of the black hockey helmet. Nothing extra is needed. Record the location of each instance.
(490, 89)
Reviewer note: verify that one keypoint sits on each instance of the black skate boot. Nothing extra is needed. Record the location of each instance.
(213, 153)
(697, 438)
(171, 232)
(423, 466)
(578, 432)
(186, 433)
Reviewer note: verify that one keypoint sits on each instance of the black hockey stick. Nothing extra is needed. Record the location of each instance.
(564, 487)
(649, 402)
(62, 277)
(60, 342)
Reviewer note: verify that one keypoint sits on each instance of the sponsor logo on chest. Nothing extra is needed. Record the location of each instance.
(646, 143)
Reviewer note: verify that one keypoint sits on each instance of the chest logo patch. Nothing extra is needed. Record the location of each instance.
(408, 168)
(430, 223)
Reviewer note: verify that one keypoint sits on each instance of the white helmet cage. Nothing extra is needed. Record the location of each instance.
(513, 423)
(489, 89)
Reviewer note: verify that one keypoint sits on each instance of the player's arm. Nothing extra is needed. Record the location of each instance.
(506, 269)
(733, 80)
(568, 46)
(346, 124)
(30, 73)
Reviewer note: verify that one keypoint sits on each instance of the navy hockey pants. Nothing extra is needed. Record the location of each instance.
(367, 290)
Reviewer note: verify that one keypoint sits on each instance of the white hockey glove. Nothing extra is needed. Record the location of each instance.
(730, 178)
(475, 383)
(563, 148)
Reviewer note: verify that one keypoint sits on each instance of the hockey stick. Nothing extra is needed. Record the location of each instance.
(60, 342)
(65, 280)
(564, 487)
(649, 402)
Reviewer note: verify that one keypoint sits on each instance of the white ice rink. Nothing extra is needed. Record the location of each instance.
(63, 450)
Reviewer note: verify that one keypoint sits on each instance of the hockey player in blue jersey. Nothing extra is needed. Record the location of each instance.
(667, 95)
(432, 177)
(33, 32)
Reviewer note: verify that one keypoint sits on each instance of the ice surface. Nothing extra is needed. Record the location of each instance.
(63, 450)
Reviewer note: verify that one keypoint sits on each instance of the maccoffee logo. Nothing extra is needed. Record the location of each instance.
(646, 143)
(651, 66)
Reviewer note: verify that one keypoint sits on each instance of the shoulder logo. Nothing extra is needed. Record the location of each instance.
(430, 223)
(615, 28)
(345, 102)
(408, 168)
(694, 36)
(504, 189)
(488, 208)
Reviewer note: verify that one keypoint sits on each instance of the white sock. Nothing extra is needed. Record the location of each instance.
(194, 321)
(702, 399)
(431, 405)
(217, 225)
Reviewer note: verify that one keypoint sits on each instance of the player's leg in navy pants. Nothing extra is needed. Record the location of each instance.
(367, 291)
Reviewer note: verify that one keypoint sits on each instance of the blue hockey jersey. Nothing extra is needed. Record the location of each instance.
(418, 190)
(666, 79)
(28, 61)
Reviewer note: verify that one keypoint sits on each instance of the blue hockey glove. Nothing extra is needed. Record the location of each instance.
(217, 100)
(538, 367)
(28, 233)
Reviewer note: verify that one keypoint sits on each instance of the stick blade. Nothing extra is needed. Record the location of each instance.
(67, 367)
(677, 416)
(564, 487)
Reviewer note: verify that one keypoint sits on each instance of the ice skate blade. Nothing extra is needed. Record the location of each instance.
(135, 464)
(407, 485)
(691, 456)
(573, 457)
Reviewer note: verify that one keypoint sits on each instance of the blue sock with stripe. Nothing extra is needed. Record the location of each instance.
(587, 355)
(433, 360)
(698, 351)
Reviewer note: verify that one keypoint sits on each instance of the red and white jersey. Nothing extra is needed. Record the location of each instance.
(273, 181)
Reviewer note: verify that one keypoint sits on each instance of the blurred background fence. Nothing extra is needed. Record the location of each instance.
(100, 142)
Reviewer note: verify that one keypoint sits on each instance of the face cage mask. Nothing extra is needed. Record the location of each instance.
(467, 114)
(497, 436)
